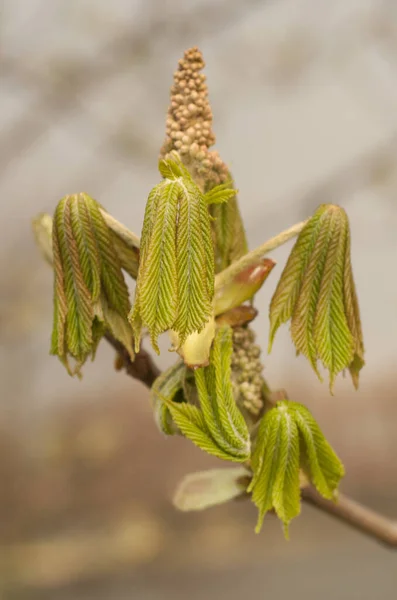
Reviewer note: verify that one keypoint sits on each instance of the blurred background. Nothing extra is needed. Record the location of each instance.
(304, 95)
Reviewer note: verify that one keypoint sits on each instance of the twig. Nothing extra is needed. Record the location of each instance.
(142, 368)
(355, 515)
(228, 274)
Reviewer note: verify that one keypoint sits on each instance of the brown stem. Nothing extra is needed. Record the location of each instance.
(356, 516)
(142, 368)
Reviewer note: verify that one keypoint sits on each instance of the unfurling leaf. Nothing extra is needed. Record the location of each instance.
(220, 193)
(288, 441)
(216, 426)
(175, 285)
(275, 466)
(317, 292)
(223, 418)
(319, 461)
(168, 385)
(201, 490)
(243, 287)
(90, 294)
(190, 421)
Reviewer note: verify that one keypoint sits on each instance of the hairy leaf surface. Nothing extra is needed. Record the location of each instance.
(287, 441)
(317, 292)
(175, 285)
(90, 294)
(275, 465)
(222, 416)
(323, 466)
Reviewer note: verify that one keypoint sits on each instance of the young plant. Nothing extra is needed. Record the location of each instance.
(196, 280)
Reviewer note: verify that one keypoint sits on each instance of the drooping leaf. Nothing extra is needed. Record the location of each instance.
(275, 465)
(317, 292)
(90, 294)
(289, 449)
(175, 284)
(201, 490)
(322, 465)
(289, 286)
(353, 317)
(157, 286)
(222, 416)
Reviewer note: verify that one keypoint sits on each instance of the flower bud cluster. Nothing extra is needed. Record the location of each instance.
(189, 123)
(247, 370)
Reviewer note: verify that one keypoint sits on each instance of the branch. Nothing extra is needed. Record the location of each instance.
(355, 515)
(228, 274)
(142, 368)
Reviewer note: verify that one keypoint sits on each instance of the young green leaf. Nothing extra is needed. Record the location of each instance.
(90, 294)
(220, 193)
(175, 284)
(287, 441)
(323, 466)
(201, 490)
(224, 420)
(317, 292)
(169, 385)
(190, 421)
(275, 466)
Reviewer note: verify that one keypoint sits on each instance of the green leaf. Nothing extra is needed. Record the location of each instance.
(317, 292)
(323, 466)
(220, 193)
(190, 421)
(201, 490)
(175, 285)
(157, 286)
(90, 294)
(288, 440)
(170, 385)
(275, 465)
(289, 287)
(353, 317)
(224, 420)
